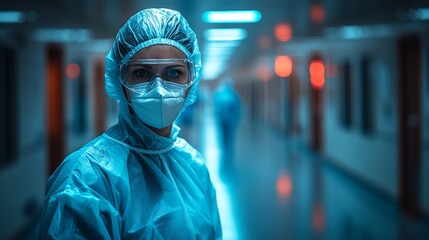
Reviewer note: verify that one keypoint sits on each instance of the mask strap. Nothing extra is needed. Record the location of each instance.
(140, 150)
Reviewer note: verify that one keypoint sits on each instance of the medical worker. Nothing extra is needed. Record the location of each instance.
(227, 109)
(139, 180)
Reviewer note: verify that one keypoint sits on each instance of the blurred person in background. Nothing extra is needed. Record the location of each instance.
(227, 108)
(139, 180)
(186, 121)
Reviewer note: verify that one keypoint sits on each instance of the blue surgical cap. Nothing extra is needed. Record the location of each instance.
(146, 28)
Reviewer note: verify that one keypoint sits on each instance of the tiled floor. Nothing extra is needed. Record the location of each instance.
(279, 189)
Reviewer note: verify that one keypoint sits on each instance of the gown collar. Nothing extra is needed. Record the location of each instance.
(136, 134)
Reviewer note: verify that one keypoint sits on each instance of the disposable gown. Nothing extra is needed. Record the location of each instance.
(130, 183)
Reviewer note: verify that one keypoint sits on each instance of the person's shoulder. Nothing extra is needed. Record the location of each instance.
(102, 152)
(189, 153)
(89, 167)
(195, 160)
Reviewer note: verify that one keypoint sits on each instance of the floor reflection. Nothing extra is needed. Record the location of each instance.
(212, 153)
(280, 189)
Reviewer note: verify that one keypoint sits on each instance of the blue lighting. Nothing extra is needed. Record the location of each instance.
(352, 32)
(419, 14)
(62, 35)
(245, 16)
(225, 34)
(12, 17)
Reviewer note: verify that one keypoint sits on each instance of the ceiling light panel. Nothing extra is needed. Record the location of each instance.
(242, 16)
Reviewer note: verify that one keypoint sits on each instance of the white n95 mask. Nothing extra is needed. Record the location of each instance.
(156, 106)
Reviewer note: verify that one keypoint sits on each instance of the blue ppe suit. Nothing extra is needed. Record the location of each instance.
(131, 183)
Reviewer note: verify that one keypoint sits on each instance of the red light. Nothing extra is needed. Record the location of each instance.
(264, 73)
(318, 218)
(317, 13)
(283, 32)
(72, 71)
(284, 186)
(283, 66)
(317, 74)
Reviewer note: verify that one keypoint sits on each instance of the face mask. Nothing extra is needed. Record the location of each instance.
(156, 107)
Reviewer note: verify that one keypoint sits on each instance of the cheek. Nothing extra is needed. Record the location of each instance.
(126, 93)
(187, 92)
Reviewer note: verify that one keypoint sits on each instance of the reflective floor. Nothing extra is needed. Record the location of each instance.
(277, 188)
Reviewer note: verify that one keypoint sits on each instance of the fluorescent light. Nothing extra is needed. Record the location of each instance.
(213, 62)
(352, 32)
(419, 14)
(99, 45)
(245, 16)
(12, 17)
(212, 68)
(223, 44)
(225, 34)
(359, 32)
(62, 35)
(218, 51)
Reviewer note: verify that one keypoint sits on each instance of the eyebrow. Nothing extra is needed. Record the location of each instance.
(150, 66)
(173, 66)
(143, 66)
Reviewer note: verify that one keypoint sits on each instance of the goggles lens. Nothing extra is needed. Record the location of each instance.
(174, 73)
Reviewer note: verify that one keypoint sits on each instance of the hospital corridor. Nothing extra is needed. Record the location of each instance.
(310, 119)
(280, 188)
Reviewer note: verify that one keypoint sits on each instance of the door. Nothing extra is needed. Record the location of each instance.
(317, 82)
(8, 105)
(54, 107)
(409, 48)
(99, 99)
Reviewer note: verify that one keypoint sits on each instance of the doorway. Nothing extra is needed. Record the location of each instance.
(317, 82)
(99, 99)
(409, 60)
(8, 105)
(54, 106)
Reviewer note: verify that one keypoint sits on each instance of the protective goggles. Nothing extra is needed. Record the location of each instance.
(140, 74)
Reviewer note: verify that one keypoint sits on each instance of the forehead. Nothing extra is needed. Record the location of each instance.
(159, 52)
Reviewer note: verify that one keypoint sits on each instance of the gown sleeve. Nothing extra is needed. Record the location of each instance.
(79, 216)
(79, 202)
(215, 215)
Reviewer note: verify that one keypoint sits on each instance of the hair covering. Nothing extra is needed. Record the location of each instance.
(149, 27)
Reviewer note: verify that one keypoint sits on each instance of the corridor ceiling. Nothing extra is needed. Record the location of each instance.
(103, 18)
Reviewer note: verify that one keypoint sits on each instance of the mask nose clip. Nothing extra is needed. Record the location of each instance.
(156, 81)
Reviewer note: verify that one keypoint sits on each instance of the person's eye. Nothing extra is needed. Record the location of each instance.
(140, 73)
(173, 73)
